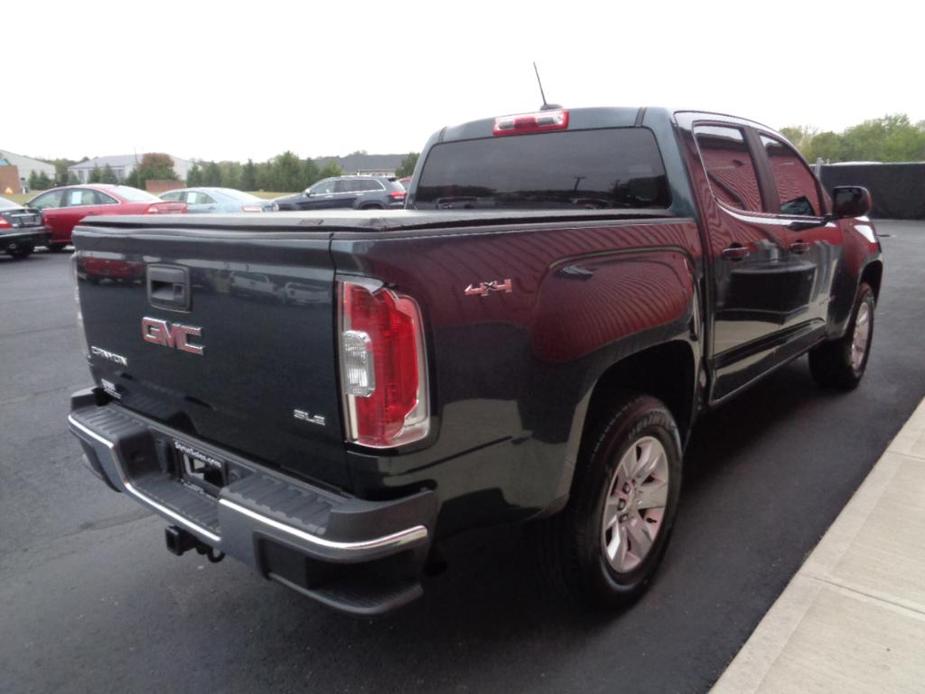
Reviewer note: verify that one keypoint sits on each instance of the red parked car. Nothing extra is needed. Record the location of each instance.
(62, 208)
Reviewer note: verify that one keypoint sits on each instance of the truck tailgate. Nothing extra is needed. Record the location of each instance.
(259, 305)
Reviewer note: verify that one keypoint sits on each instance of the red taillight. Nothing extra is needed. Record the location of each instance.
(383, 366)
(4, 224)
(153, 209)
(531, 123)
(397, 195)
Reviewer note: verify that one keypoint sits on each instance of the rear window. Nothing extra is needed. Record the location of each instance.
(592, 169)
(238, 195)
(135, 195)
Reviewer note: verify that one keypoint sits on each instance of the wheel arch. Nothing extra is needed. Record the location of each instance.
(872, 274)
(667, 371)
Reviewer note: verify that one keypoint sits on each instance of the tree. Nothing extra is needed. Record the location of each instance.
(310, 173)
(211, 175)
(33, 180)
(891, 138)
(230, 174)
(96, 176)
(134, 179)
(330, 169)
(107, 175)
(249, 176)
(153, 166)
(43, 181)
(72, 179)
(62, 175)
(194, 176)
(287, 173)
(406, 168)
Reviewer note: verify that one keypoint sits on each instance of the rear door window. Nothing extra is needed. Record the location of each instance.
(323, 188)
(729, 166)
(613, 168)
(77, 197)
(796, 186)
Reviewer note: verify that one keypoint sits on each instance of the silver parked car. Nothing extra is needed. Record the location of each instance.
(199, 200)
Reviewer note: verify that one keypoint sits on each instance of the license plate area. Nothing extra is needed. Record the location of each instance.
(206, 474)
(199, 469)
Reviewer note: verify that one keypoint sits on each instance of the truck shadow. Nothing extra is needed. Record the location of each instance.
(491, 598)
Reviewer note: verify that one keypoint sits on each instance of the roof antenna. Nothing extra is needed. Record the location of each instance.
(545, 106)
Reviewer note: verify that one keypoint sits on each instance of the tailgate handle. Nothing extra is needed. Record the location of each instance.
(168, 287)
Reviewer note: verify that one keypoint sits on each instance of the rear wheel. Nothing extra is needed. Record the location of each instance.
(604, 547)
(841, 363)
(23, 251)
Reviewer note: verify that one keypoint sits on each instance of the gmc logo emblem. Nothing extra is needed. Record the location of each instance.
(160, 332)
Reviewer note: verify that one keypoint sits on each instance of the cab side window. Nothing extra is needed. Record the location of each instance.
(729, 166)
(796, 186)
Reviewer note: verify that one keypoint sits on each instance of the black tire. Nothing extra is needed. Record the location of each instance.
(372, 207)
(56, 247)
(831, 363)
(571, 543)
(22, 252)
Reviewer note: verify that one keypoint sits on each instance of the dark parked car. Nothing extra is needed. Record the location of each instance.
(356, 192)
(21, 229)
(542, 356)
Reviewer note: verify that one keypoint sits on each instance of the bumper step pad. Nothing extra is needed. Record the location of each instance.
(356, 555)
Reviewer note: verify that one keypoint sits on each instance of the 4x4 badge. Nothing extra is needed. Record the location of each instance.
(492, 287)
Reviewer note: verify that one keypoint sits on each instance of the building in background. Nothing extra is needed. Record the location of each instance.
(122, 166)
(366, 164)
(25, 166)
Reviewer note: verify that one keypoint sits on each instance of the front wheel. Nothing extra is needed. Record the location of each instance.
(605, 546)
(841, 363)
(22, 251)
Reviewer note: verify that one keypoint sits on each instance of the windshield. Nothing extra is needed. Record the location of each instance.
(135, 195)
(591, 169)
(7, 204)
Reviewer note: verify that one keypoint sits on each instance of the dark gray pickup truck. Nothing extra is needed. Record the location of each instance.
(531, 339)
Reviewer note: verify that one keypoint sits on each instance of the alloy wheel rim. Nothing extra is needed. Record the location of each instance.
(635, 504)
(861, 336)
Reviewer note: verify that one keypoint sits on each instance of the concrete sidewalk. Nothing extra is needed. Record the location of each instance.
(853, 617)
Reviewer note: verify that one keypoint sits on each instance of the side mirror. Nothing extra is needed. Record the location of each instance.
(307, 193)
(850, 201)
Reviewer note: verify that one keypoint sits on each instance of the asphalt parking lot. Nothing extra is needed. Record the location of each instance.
(91, 601)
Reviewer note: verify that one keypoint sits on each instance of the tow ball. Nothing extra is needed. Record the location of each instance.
(180, 541)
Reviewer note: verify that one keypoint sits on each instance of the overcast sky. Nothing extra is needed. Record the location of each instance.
(222, 80)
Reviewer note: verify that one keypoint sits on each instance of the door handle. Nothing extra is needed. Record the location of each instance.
(168, 287)
(799, 247)
(735, 252)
